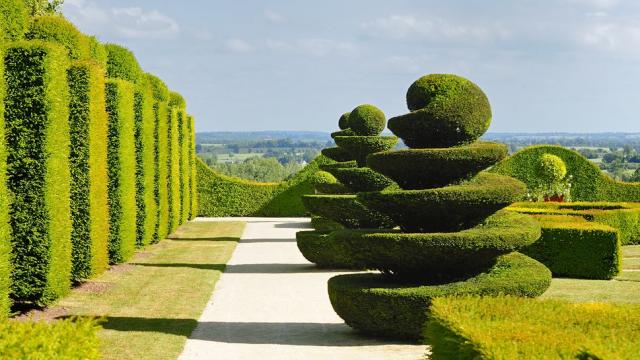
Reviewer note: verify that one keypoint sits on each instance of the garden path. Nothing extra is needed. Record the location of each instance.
(270, 303)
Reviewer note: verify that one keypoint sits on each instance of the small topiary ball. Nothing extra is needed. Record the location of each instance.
(551, 168)
(343, 123)
(322, 177)
(367, 120)
(447, 110)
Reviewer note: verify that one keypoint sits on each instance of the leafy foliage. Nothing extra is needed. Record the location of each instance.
(5, 203)
(122, 64)
(57, 29)
(366, 120)
(346, 210)
(258, 168)
(343, 122)
(161, 157)
(337, 154)
(175, 202)
(359, 147)
(14, 20)
(318, 248)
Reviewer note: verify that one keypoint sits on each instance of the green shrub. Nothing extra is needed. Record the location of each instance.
(588, 182)
(88, 165)
(345, 132)
(14, 20)
(121, 170)
(37, 135)
(175, 202)
(64, 339)
(122, 64)
(319, 248)
(5, 203)
(177, 100)
(431, 168)
(346, 210)
(185, 166)
(343, 123)
(97, 51)
(436, 257)
(159, 88)
(362, 179)
(512, 328)
(551, 168)
(577, 249)
(192, 175)
(59, 30)
(367, 120)
(324, 225)
(391, 308)
(449, 208)
(337, 154)
(161, 113)
(146, 206)
(359, 147)
(331, 166)
(447, 110)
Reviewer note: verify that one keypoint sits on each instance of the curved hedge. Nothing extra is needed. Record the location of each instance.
(14, 20)
(337, 154)
(318, 248)
(59, 30)
(37, 135)
(122, 64)
(346, 210)
(588, 182)
(362, 179)
(221, 195)
(383, 306)
(88, 165)
(359, 147)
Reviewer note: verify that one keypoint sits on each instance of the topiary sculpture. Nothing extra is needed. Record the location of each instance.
(551, 168)
(333, 206)
(454, 237)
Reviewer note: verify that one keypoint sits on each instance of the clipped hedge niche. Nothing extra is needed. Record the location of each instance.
(37, 140)
(454, 238)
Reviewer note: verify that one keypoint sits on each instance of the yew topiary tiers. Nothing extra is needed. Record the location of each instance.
(455, 237)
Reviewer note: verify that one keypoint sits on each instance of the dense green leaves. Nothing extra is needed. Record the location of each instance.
(122, 64)
(5, 202)
(367, 120)
(346, 210)
(59, 30)
(14, 20)
(147, 208)
(359, 147)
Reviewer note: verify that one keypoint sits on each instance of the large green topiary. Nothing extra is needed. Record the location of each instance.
(122, 64)
(59, 30)
(454, 238)
(447, 110)
(14, 20)
(367, 120)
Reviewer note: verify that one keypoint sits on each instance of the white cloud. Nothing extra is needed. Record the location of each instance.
(317, 47)
(130, 22)
(400, 27)
(274, 17)
(238, 46)
(615, 37)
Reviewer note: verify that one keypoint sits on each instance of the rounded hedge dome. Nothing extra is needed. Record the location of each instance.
(59, 30)
(177, 100)
(447, 110)
(367, 120)
(343, 123)
(159, 88)
(122, 64)
(551, 168)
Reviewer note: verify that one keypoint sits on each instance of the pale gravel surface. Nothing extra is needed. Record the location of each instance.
(271, 303)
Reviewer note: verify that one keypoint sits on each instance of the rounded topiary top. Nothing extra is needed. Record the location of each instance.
(177, 100)
(158, 87)
(551, 168)
(447, 110)
(343, 123)
(14, 20)
(367, 120)
(59, 30)
(98, 51)
(322, 177)
(122, 64)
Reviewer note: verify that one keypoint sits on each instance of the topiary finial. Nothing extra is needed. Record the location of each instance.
(367, 120)
(343, 123)
(551, 168)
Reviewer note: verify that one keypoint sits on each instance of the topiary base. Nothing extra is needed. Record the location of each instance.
(321, 249)
(380, 305)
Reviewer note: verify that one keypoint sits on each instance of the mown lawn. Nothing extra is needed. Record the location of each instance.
(624, 289)
(151, 305)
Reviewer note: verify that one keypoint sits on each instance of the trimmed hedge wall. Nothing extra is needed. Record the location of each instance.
(64, 339)
(88, 165)
(121, 170)
(221, 195)
(59, 30)
(477, 328)
(588, 183)
(175, 202)
(577, 249)
(37, 134)
(147, 209)
(161, 111)
(193, 210)
(14, 20)
(5, 203)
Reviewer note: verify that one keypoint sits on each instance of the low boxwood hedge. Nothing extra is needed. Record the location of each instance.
(346, 210)
(362, 179)
(359, 147)
(321, 249)
(37, 139)
(577, 249)
(588, 182)
(62, 339)
(122, 64)
(121, 170)
(88, 165)
(449, 208)
(436, 257)
(57, 29)
(337, 154)
(14, 20)
(384, 306)
(431, 168)
(514, 328)
(5, 203)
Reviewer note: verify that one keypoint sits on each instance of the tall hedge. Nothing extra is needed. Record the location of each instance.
(185, 166)
(5, 201)
(162, 168)
(121, 169)
(145, 165)
(175, 202)
(193, 187)
(88, 164)
(59, 30)
(122, 64)
(37, 135)
(14, 20)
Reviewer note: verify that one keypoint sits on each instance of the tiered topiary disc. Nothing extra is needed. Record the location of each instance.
(454, 238)
(358, 137)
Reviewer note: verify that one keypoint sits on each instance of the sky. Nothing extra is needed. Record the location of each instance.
(249, 65)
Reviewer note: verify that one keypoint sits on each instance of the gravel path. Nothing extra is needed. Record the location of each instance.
(271, 303)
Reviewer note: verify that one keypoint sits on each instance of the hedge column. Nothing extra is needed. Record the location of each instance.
(37, 134)
(185, 166)
(5, 228)
(174, 171)
(192, 164)
(145, 167)
(162, 172)
(88, 159)
(121, 170)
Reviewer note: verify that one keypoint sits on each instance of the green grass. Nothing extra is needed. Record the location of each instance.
(623, 289)
(152, 305)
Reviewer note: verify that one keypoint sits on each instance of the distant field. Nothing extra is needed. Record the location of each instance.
(236, 157)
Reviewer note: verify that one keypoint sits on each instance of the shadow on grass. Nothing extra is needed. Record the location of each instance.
(247, 268)
(305, 334)
(216, 267)
(222, 238)
(253, 241)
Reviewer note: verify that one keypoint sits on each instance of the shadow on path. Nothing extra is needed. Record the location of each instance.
(294, 225)
(251, 241)
(248, 268)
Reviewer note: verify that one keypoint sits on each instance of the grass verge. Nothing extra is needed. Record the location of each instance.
(152, 304)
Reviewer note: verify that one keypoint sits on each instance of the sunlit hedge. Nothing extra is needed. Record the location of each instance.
(14, 20)
(5, 201)
(162, 114)
(59, 30)
(175, 202)
(193, 212)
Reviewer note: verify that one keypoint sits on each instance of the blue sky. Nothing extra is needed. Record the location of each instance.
(556, 65)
